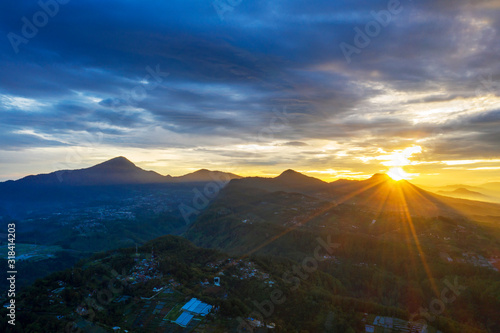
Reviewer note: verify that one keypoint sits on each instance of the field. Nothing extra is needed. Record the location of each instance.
(34, 252)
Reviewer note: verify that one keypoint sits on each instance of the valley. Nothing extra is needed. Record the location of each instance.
(291, 254)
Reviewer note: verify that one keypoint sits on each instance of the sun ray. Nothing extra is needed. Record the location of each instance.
(409, 220)
(290, 229)
(359, 191)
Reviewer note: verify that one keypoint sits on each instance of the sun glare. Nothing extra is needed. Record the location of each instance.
(398, 174)
(400, 158)
(397, 160)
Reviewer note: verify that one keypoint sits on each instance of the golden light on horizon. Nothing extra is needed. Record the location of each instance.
(398, 174)
(399, 159)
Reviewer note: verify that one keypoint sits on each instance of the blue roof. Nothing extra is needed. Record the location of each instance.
(197, 307)
(191, 305)
(184, 319)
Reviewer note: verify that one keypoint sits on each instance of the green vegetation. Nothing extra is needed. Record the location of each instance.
(174, 313)
(292, 261)
(321, 299)
(385, 263)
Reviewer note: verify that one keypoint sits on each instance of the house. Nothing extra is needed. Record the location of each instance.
(386, 322)
(193, 308)
(197, 307)
(184, 319)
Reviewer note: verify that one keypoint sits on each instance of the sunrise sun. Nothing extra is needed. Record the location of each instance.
(398, 174)
(399, 159)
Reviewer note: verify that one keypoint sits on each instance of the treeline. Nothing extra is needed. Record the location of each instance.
(331, 297)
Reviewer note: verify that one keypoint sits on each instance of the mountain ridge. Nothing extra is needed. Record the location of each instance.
(116, 171)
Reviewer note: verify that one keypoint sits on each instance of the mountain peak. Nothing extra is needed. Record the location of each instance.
(202, 171)
(295, 177)
(119, 162)
(290, 172)
(380, 177)
(205, 175)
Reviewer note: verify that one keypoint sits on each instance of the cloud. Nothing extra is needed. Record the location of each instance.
(295, 144)
(421, 78)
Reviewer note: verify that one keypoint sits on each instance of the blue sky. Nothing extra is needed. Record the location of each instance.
(253, 87)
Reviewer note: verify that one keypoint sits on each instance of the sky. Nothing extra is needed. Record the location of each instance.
(334, 89)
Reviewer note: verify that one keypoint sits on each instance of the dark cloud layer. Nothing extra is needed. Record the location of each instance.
(94, 68)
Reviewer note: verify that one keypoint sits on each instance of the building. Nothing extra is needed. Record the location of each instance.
(197, 307)
(184, 319)
(191, 309)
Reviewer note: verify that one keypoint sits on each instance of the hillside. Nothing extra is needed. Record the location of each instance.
(79, 212)
(118, 170)
(205, 175)
(113, 180)
(244, 214)
(143, 290)
(378, 193)
(391, 230)
(324, 246)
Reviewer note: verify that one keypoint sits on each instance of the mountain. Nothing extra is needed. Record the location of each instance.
(464, 194)
(302, 254)
(295, 178)
(493, 186)
(117, 171)
(288, 181)
(381, 193)
(112, 181)
(489, 192)
(288, 212)
(390, 234)
(205, 175)
(378, 193)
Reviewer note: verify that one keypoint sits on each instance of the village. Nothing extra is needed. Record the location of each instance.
(166, 306)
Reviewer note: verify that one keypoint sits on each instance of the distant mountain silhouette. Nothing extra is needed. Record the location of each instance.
(288, 181)
(275, 215)
(380, 192)
(117, 171)
(113, 180)
(295, 178)
(464, 193)
(489, 192)
(205, 175)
